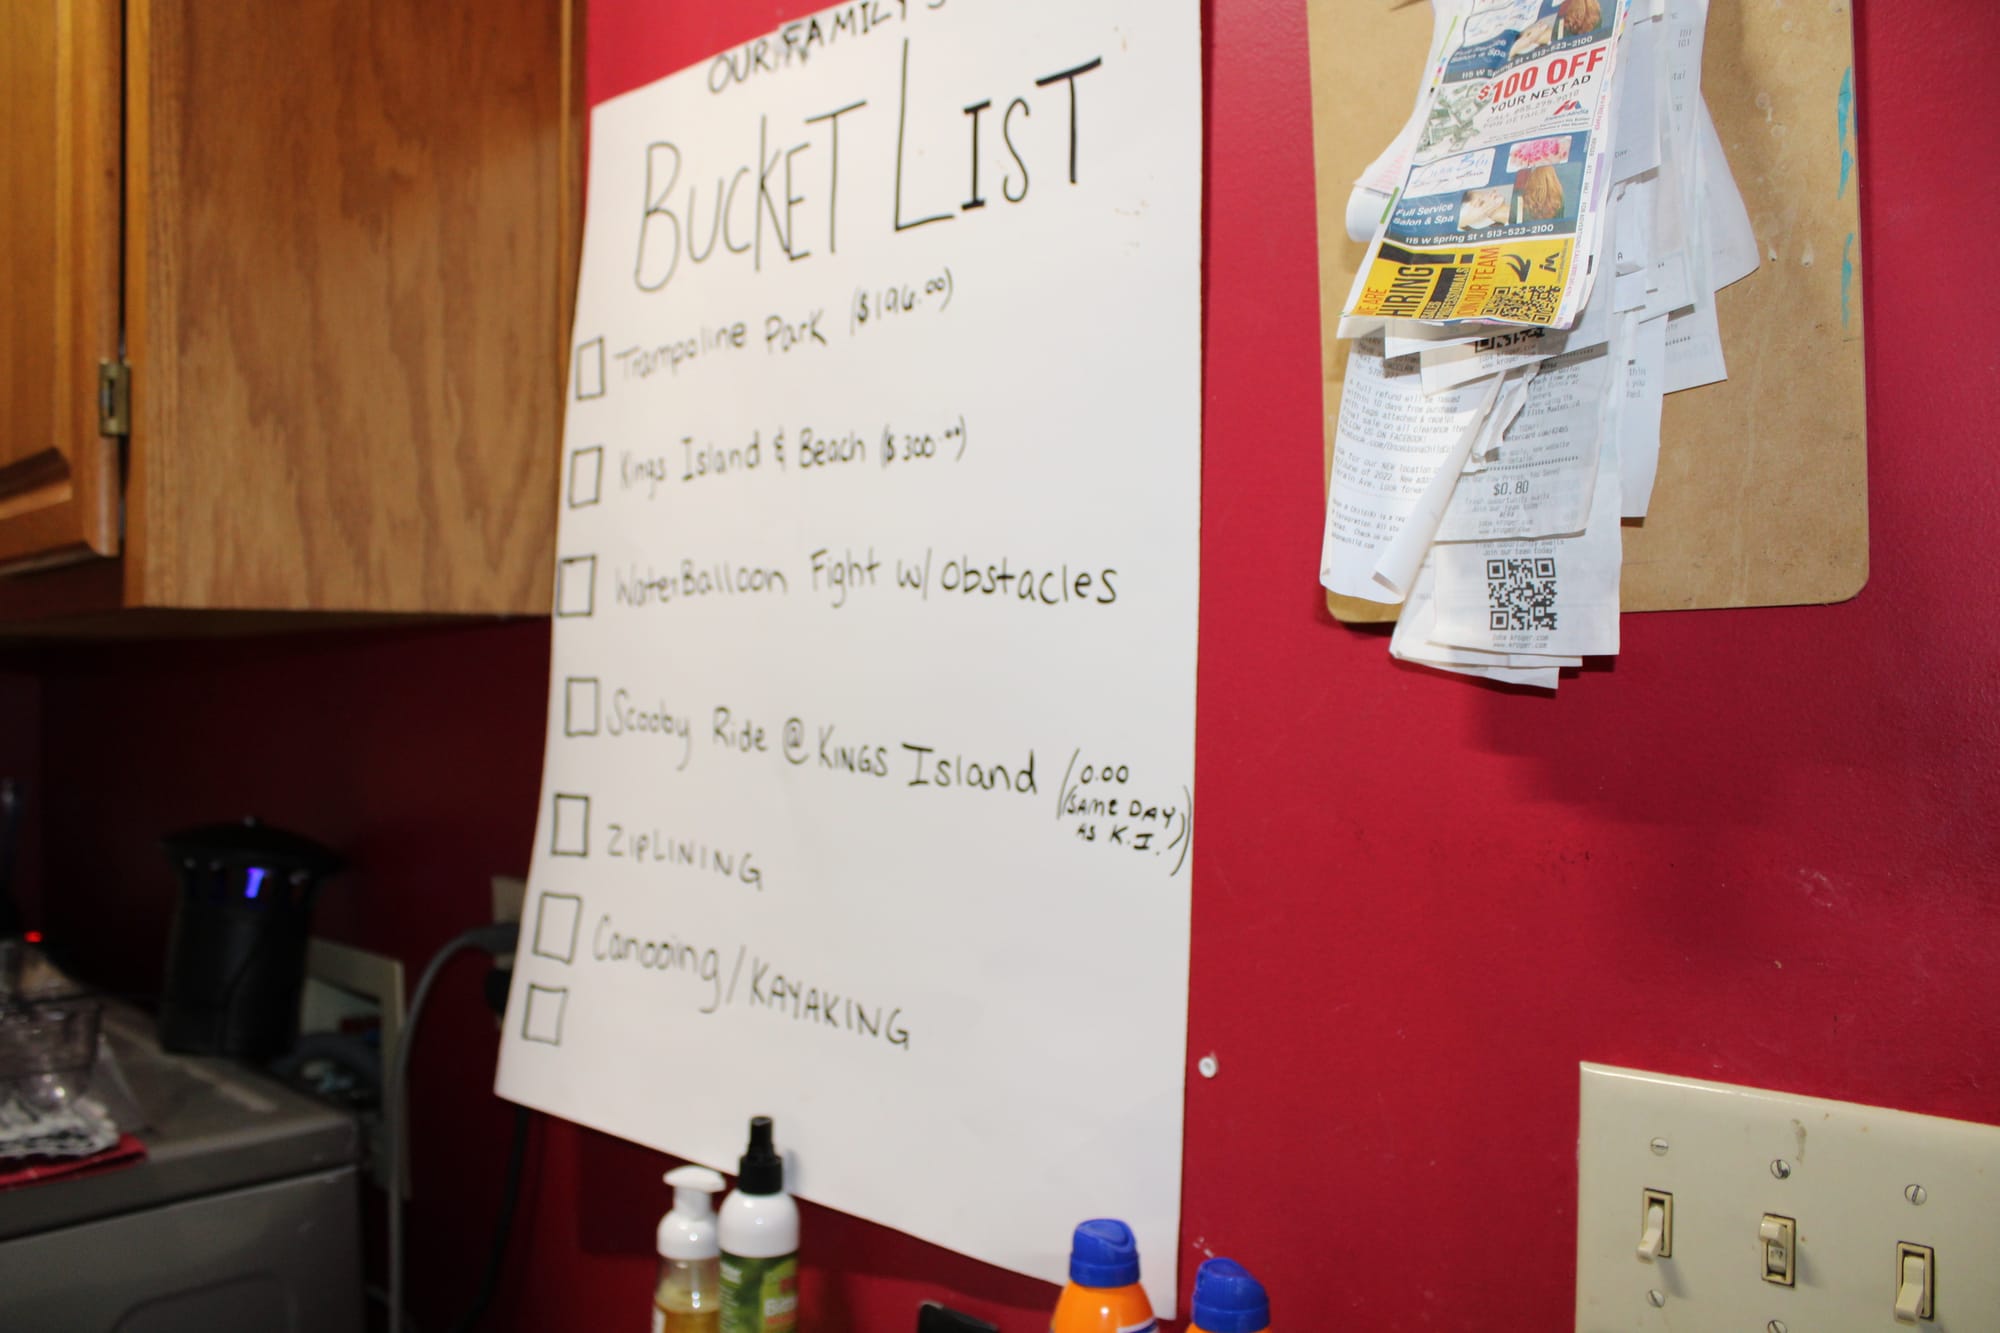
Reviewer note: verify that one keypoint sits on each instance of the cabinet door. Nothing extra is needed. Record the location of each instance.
(60, 80)
(344, 279)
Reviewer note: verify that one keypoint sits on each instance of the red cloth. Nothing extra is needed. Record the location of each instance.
(126, 1152)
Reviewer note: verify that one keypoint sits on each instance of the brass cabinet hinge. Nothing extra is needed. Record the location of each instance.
(114, 398)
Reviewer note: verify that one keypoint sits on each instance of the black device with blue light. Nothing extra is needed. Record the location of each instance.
(236, 958)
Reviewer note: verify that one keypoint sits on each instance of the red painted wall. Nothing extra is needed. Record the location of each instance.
(1759, 848)
(21, 760)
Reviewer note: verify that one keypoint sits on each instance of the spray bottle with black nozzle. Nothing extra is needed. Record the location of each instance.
(760, 1243)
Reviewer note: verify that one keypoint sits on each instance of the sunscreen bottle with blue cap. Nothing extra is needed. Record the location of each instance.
(1103, 1295)
(1228, 1300)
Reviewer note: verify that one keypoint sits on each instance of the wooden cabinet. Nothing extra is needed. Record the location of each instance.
(59, 175)
(340, 274)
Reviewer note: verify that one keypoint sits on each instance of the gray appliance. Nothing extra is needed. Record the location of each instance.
(243, 1217)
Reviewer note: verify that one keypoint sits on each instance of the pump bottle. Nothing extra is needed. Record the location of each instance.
(688, 1296)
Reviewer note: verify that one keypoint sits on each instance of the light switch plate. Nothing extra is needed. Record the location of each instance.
(1860, 1180)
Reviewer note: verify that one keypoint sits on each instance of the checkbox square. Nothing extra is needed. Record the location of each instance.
(580, 694)
(542, 1014)
(569, 833)
(576, 585)
(586, 476)
(557, 916)
(590, 369)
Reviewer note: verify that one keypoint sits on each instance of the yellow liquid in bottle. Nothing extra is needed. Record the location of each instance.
(686, 1321)
(688, 1298)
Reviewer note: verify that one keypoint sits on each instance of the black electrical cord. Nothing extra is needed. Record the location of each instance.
(510, 1194)
(498, 938)
(380, 1295)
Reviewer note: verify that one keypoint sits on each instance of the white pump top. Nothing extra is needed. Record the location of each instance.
(688, 1232)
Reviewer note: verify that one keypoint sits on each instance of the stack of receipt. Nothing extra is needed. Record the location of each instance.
(1545, 240)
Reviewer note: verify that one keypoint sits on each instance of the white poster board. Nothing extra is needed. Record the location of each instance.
(868, 795)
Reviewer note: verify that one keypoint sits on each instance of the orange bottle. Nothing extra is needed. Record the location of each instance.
(1103, 1295)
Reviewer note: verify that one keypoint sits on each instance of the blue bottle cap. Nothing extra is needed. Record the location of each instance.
(1228, 1300)
(1103, 1253)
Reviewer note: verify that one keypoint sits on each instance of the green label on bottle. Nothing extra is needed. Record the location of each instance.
(760, 1295)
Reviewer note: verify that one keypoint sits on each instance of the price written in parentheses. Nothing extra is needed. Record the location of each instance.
(919, 445)
(876, 304)
(1100, 804)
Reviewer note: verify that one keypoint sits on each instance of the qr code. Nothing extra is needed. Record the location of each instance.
(1521, 594)
(1524, 305)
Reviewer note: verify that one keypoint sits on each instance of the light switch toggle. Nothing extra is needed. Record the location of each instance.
(1916, 1276)
(1781, 1237)
(1656, 1226)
